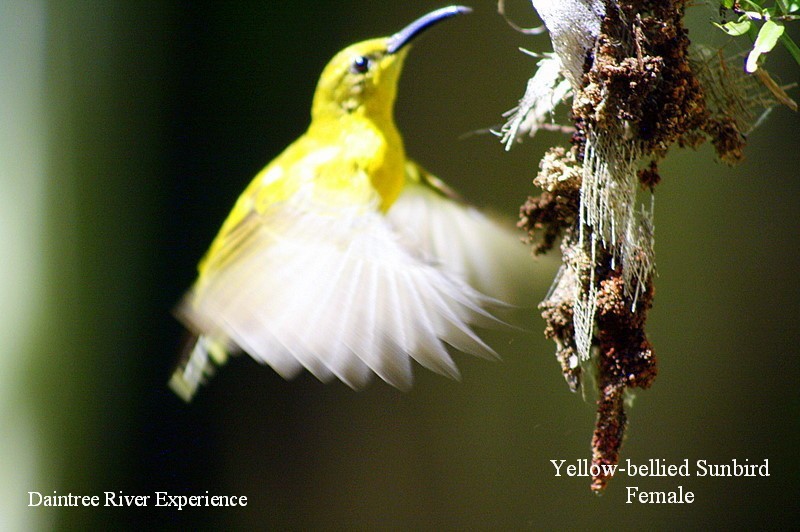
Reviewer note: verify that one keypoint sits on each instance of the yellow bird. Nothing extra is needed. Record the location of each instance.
(344, 257)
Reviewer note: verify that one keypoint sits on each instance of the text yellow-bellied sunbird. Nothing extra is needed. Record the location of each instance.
(343, 256)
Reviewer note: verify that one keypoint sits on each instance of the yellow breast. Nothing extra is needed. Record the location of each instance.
(348, 163)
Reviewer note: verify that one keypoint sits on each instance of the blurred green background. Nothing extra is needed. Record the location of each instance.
(127, 130)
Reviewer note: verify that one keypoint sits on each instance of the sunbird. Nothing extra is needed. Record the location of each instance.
(343, 256)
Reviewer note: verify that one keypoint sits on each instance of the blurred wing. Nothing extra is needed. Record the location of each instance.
(489, 254)
(335, 291)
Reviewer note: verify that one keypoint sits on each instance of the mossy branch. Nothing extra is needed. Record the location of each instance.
(636, 91)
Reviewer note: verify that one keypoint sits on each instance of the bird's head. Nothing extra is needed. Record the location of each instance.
(363, 77)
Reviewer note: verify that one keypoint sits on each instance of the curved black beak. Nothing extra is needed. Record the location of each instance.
(404, 36)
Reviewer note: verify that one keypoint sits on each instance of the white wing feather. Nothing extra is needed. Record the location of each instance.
(340, 295)
(465, 241)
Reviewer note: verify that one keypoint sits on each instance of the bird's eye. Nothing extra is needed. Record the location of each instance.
(360, 65)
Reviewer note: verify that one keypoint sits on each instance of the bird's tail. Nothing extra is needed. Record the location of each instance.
(196, 368)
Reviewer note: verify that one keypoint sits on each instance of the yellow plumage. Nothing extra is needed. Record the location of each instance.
(336, 258)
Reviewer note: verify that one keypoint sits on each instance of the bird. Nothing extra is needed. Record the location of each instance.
(345, 257)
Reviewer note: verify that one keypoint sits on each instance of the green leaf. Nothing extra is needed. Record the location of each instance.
(735, 28)
(767, 38)
(789, 6)
(727, 4)
(754, 5)
(790, 45)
